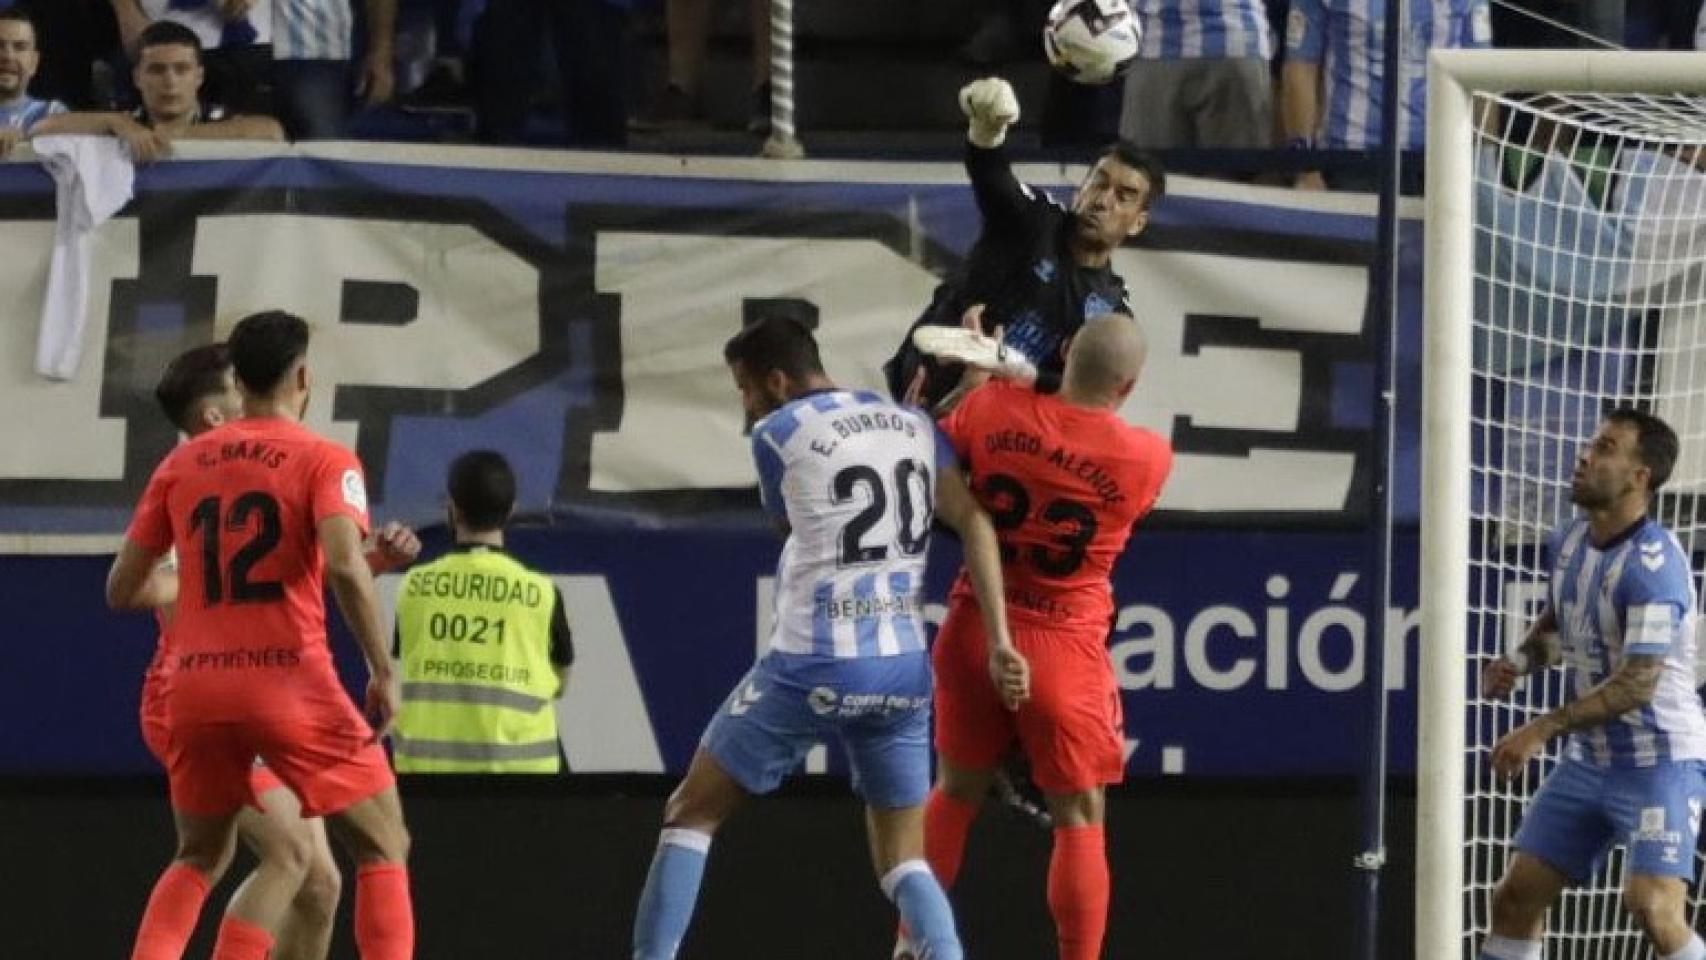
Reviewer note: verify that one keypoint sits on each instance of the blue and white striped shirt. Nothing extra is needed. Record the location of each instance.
(208, 21)
(1347, 38)
(1204, 29)
(313, 30)
(1633, 596)
(853, 475)
(26, 112)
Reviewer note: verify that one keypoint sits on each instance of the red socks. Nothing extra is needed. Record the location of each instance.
(170, 919)
(384, 915)
(241, 940)
(947, 823)
(1078, 891)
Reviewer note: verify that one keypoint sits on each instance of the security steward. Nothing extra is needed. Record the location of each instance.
(483, 642)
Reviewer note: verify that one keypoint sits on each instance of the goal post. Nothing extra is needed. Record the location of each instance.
(1588, 164)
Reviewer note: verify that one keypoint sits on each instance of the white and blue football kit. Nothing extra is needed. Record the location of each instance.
(852, 474)
(1638, 778)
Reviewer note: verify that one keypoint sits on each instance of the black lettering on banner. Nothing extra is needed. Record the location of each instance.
(265, 539)
(169, 307)
(1014, 509)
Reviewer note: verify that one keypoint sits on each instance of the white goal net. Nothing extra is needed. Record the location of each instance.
(1586, 233)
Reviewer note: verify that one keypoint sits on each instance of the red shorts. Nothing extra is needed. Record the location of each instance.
(325, 757)
(156, 736)
(1072, 729)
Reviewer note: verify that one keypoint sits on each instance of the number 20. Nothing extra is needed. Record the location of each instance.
(912, 525)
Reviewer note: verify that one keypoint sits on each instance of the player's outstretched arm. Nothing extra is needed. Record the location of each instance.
(352, 585)
(991, 107)
(131, 581)
(956, 507)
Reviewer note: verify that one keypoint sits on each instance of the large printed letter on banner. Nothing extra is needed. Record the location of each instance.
(681, 300)
(477, 304)
(1257, 389)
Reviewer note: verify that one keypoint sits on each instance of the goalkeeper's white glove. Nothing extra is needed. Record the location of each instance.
(991, 107)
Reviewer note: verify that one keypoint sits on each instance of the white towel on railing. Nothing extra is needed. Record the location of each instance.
(95, 180)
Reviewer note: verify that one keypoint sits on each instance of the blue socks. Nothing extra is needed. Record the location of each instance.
(924, 908)
(672, 888)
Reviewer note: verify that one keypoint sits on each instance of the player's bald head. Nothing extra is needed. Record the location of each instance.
(1106, 357)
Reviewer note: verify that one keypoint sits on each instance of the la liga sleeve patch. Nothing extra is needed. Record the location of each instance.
(355, 490)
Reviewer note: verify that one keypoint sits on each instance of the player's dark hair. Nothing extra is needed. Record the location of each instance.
(1655, 441)
(168, 33)
(263, 347)
(195, 375)
(483, 488)
(1131, 155)
(775, 343)
(17, 15)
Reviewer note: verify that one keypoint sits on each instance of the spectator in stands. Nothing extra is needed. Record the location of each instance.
(19, 59)
(73, 36)
(169, 76)
(236, 43)
(1201, 79)
(589, 40)
(1330, 94)
(688, 25)
(313, 63)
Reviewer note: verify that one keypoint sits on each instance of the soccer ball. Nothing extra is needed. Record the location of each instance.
(1091, 41)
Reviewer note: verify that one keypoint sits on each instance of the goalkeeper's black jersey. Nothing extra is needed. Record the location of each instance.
(1021, 270)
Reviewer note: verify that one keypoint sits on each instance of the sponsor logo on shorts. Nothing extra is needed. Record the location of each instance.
(868, 704)
(743, 701)
(1652, 820)
(822, 701)
(1652, 831)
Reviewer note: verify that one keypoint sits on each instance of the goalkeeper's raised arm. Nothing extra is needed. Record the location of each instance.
(1039, 268)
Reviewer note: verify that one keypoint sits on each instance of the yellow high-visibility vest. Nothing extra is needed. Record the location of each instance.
(474, 637)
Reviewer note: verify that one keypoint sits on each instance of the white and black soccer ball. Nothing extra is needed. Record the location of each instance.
(1091, 41)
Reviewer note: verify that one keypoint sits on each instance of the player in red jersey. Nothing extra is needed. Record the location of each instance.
(261, 511)
(1065, 479)
(198, 393)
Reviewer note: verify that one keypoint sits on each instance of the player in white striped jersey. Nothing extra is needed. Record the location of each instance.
(855, 481)
(1621, 615)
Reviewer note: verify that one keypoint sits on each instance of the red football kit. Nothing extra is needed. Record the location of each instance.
(1064, 485)
(247, 671)
(154, 730)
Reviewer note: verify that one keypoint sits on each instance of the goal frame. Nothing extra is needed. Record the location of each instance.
(1454, 77)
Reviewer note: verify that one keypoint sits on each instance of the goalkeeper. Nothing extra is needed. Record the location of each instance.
(1039, 268)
